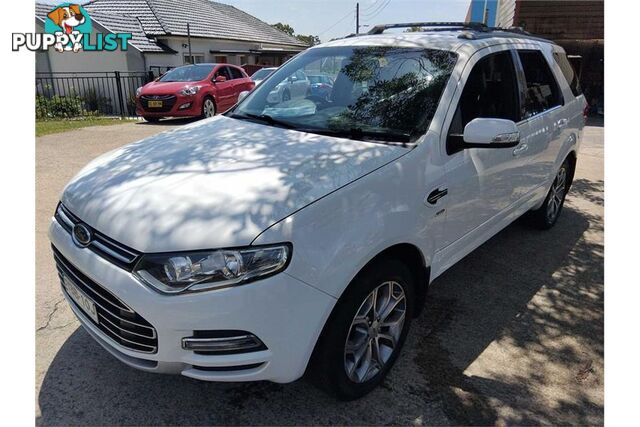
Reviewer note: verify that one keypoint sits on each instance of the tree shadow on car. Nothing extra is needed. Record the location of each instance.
(486, 298)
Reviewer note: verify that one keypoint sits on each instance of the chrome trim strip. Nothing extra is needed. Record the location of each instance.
(153, 348)
(128, 331)
(201, 343)
(110, 251)
(62, 214)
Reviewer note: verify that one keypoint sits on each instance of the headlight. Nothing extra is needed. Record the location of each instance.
(203, 270)
(190, 90)
(138, 91)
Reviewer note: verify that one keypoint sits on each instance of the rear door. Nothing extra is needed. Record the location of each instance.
(543, 112)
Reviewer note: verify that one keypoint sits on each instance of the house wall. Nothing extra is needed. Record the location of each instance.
(506, 12)
(53, 61)
(201, 46)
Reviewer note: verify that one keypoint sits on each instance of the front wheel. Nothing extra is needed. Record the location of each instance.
(547, 215)
(208, 108)
(364, 335)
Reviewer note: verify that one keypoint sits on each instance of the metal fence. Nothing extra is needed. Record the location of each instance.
(61, 95)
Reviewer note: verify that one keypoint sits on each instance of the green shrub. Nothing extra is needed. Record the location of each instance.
(58, 106)
(96, 103)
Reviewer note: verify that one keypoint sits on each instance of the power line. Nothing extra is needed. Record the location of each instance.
(377, 12)
(351, 13)
(375, 3)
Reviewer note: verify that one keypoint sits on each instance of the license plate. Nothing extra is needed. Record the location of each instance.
(155, 104)
(83, 301)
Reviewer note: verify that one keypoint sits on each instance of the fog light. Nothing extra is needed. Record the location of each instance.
(185, 106)
(220, 342)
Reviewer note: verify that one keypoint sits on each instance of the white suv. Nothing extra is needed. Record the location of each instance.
(305, 232)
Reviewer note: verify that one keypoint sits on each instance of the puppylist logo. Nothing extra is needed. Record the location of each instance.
(68, 29)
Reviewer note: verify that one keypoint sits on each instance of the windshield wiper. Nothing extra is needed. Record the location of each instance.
(364, 135)
(264, 118)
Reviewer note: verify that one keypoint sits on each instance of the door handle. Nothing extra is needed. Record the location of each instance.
(562, 123)
(436, 195)
(521, 149)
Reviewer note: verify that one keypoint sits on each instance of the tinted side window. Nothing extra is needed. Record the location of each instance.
(235, 73)
(568, 71)
(542, 92)
(223, 71)
(491, 91)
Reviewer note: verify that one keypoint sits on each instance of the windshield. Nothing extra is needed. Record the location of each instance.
(188, 73)
(261, 74)
(379, 93)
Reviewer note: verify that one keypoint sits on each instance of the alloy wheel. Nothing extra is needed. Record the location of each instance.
(375, 331)
(209, 108)
(556, 194)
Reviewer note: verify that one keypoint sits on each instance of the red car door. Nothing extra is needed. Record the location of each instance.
(225, 91)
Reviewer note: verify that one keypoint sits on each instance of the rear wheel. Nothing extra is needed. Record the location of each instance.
(208, 108)
(364, 335)
(547, 215)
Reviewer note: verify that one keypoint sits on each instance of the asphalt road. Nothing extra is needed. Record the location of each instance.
(513, 334)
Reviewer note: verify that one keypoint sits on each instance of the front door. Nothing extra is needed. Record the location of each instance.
(481, 183)
(224, 90)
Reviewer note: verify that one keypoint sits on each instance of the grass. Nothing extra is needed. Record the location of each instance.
(47, 127)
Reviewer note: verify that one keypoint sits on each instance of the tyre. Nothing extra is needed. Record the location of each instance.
(365, 332)
(286, 96)
(208, 108)
(152, 119)
(546, 216)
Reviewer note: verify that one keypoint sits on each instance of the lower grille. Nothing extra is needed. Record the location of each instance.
(168, 101)
(116, 319)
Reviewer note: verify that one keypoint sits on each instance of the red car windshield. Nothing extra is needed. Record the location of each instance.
(188, 73)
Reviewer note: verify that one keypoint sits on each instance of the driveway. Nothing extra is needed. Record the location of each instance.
(513, 334)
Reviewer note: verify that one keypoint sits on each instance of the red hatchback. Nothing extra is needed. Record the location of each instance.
(199, 90)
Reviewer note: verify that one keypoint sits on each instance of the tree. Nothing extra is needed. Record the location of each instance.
(310, 39)
(414, 30)
(285, 28)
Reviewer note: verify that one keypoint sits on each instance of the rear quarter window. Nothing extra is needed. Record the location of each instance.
(568, 72)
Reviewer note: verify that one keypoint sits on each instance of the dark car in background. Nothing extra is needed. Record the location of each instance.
(199, 90)
(321, 85)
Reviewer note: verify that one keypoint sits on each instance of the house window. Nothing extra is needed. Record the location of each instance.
(197, 58)
(221, 59)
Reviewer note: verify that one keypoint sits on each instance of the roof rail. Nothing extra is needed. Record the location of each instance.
(475, 26)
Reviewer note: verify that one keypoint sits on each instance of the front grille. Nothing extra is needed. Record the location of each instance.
(116, 319)
(168, 102)
(115, 252)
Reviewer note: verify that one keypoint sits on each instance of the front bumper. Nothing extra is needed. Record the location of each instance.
(286, 314)
(195, 109)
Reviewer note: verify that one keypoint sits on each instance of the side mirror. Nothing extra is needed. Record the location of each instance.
(220, 79)
(242, 95)
(491, 133)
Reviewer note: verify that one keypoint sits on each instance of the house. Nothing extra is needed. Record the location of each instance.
(218, 33)
(577, 26)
